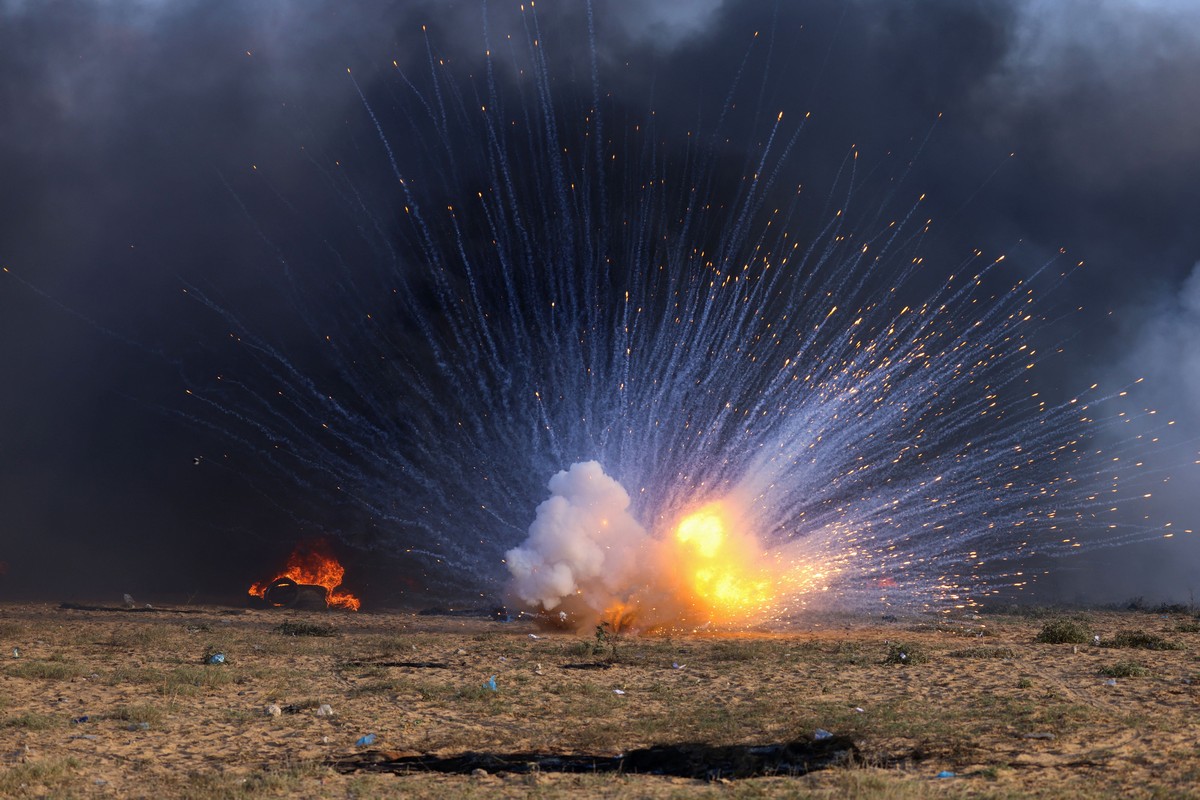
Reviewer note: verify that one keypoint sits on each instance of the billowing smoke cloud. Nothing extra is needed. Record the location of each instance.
(584, 549)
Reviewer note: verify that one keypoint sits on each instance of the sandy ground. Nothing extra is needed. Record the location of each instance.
(118, 703)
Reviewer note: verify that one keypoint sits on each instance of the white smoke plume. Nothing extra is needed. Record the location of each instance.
(584, 549)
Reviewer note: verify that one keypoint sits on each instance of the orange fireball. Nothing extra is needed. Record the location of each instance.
(312, 563)
(718, 568)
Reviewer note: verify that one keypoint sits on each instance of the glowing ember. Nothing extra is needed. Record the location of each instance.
(312, 564)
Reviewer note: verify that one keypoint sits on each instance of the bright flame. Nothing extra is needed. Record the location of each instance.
(720, 576)
(312, 564)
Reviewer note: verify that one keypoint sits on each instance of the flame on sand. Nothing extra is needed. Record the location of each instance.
(313, 564)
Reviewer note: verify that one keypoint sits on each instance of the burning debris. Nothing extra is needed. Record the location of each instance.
(310, 579)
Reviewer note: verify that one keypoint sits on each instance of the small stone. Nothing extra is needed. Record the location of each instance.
(274, 710)
(480, 773)
(324, 710)
(460, 652)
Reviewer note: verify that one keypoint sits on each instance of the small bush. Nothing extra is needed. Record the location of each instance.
(306, 629)
(1188, 627)
(51, 670)
(982, 652)
(907, 654)
(1065, 631)
(138, 712)
(1141, 640)
(1124, 669)
(31, 721)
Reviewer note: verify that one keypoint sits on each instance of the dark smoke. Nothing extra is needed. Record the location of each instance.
(124, 120)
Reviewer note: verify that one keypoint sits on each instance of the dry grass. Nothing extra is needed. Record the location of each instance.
(985, 710)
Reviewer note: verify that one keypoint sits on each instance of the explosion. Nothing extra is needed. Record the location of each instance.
(788, 391)
(312, 564)
(587, 561)
(718, 568)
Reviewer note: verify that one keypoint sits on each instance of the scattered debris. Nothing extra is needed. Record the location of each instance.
(274, 710)
(945, 774)
(490, 684)
(16, 653)
(677, 665)
(365, 741)
(214, 658)
(80, 720)
(1111, 682)
(138, 726)
(618, 691)
(324, 710)
(820, 735)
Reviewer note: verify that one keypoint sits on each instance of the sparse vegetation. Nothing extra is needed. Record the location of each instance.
(982, 652)
(45, 670)
(965, 708)
(906, 653)
(135, 713)
(1065, 631)
(1124, 669)
(305, 629)
(50, 774)
(32, 721)
(1141, 640)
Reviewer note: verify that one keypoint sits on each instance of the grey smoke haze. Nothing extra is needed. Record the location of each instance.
(121, 119)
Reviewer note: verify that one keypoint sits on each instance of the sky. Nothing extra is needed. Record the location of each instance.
(128, 130)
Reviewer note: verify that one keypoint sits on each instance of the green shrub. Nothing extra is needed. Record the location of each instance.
(305, 629)
(906, 654)
(1141, 640)
(1124, 669)
(1065, 631)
